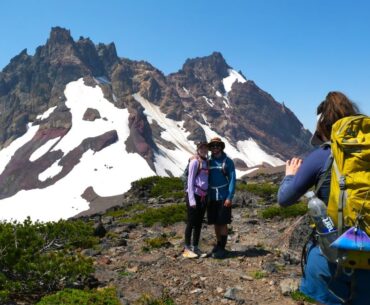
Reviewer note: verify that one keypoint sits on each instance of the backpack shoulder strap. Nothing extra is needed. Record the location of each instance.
(329, 164)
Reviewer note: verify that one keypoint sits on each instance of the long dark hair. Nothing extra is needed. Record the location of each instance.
(335, 106)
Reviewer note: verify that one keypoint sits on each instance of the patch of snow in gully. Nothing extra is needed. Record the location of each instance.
(38, 153)
(46, 114)
(7, 153)
(233, 76)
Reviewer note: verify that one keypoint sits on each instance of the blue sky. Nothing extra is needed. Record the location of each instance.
(297, 50)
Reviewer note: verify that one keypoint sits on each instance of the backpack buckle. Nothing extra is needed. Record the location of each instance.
(342, 183)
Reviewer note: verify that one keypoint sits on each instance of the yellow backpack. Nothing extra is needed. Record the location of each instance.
(349, 201)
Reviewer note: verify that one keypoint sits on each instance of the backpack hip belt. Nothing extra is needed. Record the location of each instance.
(216, 188)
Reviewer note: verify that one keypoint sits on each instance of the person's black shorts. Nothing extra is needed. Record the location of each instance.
(218, 214)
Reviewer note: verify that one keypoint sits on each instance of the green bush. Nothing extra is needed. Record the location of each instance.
(291, 211)
(107, 296)
(258, 274)
(126, 211)
(166, 215)
(36, 258)
(299, 296)
(260, 189)
(165, 187)
(157, 242)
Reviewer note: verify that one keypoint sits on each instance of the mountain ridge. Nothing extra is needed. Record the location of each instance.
(44, 96)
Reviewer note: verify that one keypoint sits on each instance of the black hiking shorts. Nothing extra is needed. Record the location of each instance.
(218, 214)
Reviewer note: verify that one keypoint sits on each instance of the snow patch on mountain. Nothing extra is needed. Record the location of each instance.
(43, 149)
(255, 154)
(109, 171)
(51, 171)
(171, 160)
(248, 151)
(231, 79)
(209, 101)
(7, 152)
(46, 114)
(102, 80)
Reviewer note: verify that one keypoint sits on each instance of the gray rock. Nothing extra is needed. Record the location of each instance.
(270, 267)
(91, 114)
(232, 294)
(107, 220)
(90, 252)
(288, 286)
(153, 201)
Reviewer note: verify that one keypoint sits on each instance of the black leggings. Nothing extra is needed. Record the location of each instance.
(195, 219)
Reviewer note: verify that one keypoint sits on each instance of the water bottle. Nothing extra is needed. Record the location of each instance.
(317, 210)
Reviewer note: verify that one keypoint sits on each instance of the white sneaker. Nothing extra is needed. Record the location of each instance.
(199, 252)
(189, 254)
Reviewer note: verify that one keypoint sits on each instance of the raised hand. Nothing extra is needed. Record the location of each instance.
(292, 166)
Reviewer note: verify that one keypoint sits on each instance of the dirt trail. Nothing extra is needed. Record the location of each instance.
(257, 263)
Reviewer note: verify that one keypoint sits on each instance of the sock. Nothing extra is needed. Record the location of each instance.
(223, 241)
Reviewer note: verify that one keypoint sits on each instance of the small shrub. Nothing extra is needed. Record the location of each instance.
(264, 190)
(258, 274)
(299, 296)
(168, 187)
(37, 258)
(158, 242)
(165, 187)
(147, 182)
(107, 296)
(166, 215)
(126, 211)
(291, 211)
(124, 273)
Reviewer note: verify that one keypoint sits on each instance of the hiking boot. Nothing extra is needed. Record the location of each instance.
(215, 248)
(220, 254)
(189, 254)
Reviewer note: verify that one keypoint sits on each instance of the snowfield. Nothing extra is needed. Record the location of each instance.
(109, 171)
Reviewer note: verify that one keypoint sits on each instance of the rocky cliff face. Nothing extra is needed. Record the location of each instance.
(160, 117)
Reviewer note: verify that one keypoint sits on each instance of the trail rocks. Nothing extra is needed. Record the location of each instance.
(288, 286)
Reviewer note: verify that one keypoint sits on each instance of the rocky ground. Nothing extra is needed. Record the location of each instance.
(263, 265)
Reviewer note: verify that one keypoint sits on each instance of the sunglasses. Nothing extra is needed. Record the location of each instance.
(215, 146)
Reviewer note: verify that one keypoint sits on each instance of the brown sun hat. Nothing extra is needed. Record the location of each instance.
(216, 140)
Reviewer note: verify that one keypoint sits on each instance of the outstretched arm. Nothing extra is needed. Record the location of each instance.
(301, 176)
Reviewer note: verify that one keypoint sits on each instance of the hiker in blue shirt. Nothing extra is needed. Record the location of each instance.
(323, 281)
(222, 179)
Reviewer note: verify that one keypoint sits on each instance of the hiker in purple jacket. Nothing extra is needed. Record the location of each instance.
(196, 199)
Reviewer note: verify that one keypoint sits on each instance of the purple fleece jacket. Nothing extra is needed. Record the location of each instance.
(197, 182)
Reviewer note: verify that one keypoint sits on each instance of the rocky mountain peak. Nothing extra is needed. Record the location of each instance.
(60, 36)
(207, 68)
(108, 55)
(17, 60)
